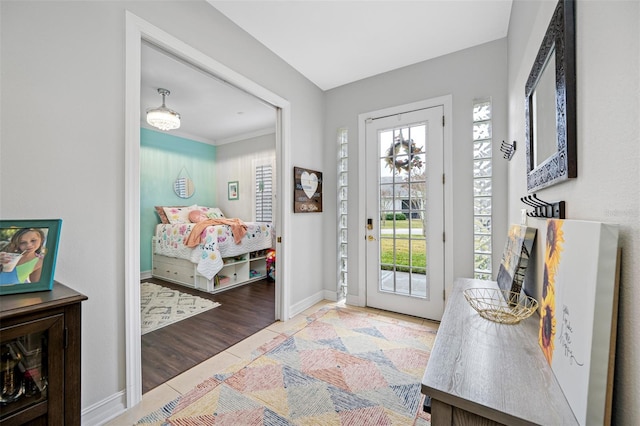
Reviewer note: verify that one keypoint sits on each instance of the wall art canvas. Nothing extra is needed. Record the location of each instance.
(515, 257)
(233, 190)
(578, 312)
(307, 191)
(28, 252)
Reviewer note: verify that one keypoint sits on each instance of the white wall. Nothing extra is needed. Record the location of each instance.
(235, 162)
(62, 146)
(608, 128)
(473, 73)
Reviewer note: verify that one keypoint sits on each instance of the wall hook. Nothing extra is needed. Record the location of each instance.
(508, 149)
(544, 209)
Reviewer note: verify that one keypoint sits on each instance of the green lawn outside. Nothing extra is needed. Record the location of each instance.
(401, 224)
(402, 260)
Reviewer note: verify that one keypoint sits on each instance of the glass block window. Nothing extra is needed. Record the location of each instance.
(264, 193)
(482, 190)
(343, 157)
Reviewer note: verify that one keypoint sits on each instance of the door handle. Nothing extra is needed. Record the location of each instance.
(371, 238)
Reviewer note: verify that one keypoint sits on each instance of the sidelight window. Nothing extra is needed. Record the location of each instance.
(482, 189)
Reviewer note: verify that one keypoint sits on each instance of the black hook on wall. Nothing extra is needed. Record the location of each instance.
(508, 149)
(543, 209)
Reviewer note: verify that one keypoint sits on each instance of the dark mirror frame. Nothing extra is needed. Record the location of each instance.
(559, 40)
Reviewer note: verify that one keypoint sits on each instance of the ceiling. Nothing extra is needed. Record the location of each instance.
(211, 111)
(330, 42)
(335, 42)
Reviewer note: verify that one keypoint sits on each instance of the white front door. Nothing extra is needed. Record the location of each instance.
(405, 213)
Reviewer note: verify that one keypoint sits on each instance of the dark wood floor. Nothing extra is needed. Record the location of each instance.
(174, 349)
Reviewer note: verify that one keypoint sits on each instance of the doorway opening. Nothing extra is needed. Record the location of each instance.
(226, 135)
(137, 31)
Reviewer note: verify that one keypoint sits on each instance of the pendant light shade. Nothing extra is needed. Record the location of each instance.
(162, 117)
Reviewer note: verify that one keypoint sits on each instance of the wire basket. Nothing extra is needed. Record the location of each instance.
(503, 306)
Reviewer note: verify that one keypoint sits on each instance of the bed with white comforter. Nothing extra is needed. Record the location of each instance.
(217, 243)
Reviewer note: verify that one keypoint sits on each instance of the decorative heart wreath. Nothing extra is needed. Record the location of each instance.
(401, 146)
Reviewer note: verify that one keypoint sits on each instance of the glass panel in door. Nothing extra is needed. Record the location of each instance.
(405, 213)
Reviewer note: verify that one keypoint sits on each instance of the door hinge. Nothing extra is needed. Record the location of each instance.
(443, 121)
(66, 337)
(279, 239)
(443, 178)
(444, 295)
(443, 237)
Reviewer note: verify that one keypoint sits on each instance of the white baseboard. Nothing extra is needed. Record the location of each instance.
(145, 275)
(105, 410)
(330, 295)
(306, 303)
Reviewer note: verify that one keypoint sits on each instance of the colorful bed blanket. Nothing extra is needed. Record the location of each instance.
(238, 229)
(216, 242)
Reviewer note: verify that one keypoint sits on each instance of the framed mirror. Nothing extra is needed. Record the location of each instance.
(184, 187)
(550, 104)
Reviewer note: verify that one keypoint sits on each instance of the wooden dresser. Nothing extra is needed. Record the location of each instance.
(484, 373)
(40, 348)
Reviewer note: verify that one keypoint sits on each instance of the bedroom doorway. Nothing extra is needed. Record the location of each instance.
(240, 146)
(137, 32)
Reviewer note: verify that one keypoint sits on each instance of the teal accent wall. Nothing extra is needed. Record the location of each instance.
(162, 159)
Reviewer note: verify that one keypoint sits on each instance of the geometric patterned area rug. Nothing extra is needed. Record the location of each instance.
(344, 367)
(161, 306)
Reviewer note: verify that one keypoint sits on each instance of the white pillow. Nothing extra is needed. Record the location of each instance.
(213, 212)
(179, 214)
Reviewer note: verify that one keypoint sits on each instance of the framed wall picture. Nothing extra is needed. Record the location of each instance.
(307, 190)
(233, 190)
(515, 257)
(28, 252)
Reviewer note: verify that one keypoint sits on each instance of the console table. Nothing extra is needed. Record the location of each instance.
(484, 373)
(40, 343)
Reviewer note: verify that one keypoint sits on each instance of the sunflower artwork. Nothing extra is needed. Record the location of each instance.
(577, 312)
(553, 248)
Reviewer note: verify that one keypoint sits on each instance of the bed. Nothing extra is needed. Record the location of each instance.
(218, 261)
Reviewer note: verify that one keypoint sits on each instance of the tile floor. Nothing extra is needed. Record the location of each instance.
(237, 354)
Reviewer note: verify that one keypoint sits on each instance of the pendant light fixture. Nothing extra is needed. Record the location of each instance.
(162, 117)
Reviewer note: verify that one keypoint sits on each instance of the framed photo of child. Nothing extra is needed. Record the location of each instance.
(28, 252)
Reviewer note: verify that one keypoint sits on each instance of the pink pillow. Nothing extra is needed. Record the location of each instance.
(196, 216)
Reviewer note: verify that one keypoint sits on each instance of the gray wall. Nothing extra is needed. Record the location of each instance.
(62, 146)
(608, 182)
(469, 74)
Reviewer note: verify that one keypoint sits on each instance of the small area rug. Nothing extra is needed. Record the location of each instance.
(344, 367)
(161, 306)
